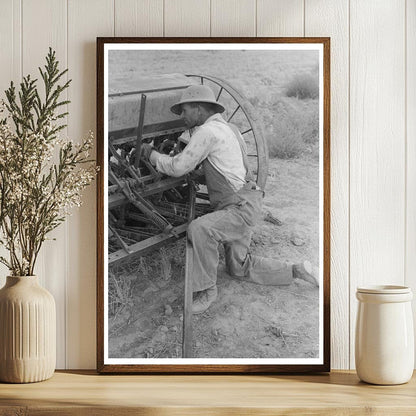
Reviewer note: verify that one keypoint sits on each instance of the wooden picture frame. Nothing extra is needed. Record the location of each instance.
(122, 65)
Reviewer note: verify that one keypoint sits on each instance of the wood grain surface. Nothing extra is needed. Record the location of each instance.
(330, 18)
(85, 393)
(280, 18)
(377, 148)
(10, 66)
(187, 18)
(233, 18)
(138, 17)
(410, 272)
(81, 248)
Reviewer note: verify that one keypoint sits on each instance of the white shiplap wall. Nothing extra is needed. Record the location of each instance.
(373, 132)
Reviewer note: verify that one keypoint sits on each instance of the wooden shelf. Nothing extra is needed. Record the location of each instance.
(86, 393)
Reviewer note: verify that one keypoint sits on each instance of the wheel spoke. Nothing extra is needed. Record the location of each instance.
(218, 96)
(202, 81)
(247, 131)
(233, 114)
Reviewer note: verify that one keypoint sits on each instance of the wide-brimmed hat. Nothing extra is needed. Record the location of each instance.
(197, 94)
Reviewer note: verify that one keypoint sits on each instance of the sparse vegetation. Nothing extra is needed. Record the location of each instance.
(303, 86)
(119, 290)
(121, 282)
(155, 269)
(284, 140)
(293, 128)
(165, 264)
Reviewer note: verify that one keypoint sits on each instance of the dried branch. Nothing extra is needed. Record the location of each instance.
(37, 194)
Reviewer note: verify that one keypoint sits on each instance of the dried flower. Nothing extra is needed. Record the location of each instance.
(42, 176)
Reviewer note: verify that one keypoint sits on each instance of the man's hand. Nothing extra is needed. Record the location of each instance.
(145, 151)
(198, 176)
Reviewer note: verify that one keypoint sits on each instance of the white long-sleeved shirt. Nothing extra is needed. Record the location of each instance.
(213, 140)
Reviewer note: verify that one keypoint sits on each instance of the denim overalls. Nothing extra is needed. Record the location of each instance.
(235, 214)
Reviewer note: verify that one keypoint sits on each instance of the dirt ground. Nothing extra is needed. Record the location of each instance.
(246, 320)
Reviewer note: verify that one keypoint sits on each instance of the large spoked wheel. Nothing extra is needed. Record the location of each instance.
(239, 111)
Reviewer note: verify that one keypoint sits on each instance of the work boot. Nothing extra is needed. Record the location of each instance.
(305, 271)
(203, 299)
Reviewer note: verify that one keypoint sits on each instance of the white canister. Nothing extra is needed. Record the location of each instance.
(384, 343)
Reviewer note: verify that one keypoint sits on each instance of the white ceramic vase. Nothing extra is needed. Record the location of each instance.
(27, 331)
(384, 343)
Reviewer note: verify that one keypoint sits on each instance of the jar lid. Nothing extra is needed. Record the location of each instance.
(384, 289)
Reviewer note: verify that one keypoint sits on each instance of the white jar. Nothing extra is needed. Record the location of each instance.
(384, 342)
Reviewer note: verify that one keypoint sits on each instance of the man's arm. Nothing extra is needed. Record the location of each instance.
(194, 153)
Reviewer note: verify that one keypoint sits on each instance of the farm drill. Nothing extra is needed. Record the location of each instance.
(146, 209)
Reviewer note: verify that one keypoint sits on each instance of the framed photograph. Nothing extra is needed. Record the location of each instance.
(213, 205)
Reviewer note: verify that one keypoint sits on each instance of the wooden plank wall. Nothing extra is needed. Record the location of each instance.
(410, 142)
(377, 145)
(373, 132)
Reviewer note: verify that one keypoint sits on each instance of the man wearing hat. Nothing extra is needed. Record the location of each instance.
(233, 194)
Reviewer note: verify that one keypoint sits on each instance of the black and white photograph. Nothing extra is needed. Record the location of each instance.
(213, 223)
